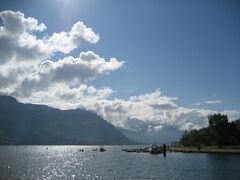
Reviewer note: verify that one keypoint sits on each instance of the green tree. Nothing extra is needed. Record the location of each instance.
(219, 122)
(220, 132)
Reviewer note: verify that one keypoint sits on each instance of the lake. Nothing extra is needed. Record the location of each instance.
(66, 162)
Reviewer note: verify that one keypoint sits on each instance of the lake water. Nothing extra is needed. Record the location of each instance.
(66, 162)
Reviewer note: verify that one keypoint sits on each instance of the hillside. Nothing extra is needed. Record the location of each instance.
(38, 124)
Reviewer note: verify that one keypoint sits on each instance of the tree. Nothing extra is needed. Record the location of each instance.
(220, 132)
(217, 119)
(219, 122)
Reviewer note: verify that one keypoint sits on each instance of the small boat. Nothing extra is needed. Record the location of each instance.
(102, 149)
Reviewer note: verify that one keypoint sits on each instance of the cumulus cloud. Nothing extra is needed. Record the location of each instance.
(147, 112)
(65, 42)
(30, 72)
(232, 114)
(17, 39)
(15, 23)
(16, 42)
(22, 53)
(68, 70)
(136, 113)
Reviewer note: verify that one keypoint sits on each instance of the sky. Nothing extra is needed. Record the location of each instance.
(164, 63)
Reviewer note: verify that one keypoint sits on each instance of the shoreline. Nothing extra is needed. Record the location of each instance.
(204, 150)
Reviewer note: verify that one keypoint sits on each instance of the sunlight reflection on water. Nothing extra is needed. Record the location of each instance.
(55, 162)
(67, 162)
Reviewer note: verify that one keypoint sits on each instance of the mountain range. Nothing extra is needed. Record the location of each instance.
(39, 124)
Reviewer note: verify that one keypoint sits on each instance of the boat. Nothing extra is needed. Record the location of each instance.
(102, 149)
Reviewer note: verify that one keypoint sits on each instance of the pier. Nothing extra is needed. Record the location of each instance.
(153, 149)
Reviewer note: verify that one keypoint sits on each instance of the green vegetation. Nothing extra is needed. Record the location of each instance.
(220, 132)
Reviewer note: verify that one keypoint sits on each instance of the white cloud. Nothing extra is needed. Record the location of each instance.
(18, 42)
(119, 111)
(22, 52)
(66, 42)
(232, 114)
(213, 102)
(29, 71)
(15, 23)
(70, 70)
(218, 101)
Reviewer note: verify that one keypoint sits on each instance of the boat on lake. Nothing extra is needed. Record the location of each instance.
(102, 149)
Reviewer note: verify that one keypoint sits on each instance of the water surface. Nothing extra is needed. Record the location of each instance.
(66, 162)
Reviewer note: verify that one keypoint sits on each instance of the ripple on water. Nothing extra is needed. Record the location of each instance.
(66, 162)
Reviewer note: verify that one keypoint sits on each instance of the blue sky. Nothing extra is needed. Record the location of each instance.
(187, 49)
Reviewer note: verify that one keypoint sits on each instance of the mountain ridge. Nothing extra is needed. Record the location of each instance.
(39, 124)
